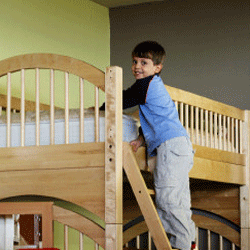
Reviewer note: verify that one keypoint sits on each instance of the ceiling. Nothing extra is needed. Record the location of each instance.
(117, 3)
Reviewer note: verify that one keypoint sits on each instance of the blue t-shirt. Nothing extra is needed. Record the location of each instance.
(158, 115)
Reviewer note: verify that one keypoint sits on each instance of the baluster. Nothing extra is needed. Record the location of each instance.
(138, 241)
(81, 110)
(241, 137)
(232, 134)
(197, 125)
(66, 107)
(220, 132)
(81, 241)
(236, 135)
(233, 246)
(211, 129)
(22, 108)
(221, 242)
(215, 130)
(206, 128)
(201, 127)
(181, 113)
(187, 118)
(96, 246)
(8, 132)
(37, 107)
(52, 107)
(192, 124)
(97, 114)
(224, 132)
(66, 237)
(208, 239)
(229, 134)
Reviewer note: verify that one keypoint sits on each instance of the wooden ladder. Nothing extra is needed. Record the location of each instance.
(142, 194)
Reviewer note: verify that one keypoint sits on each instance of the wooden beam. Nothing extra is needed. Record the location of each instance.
(113, 158)
(42, 208)
(219, 155)
(80, 223)
(205, 103)
(218, 171)
(79, 155)
(217, 227)
(53, 61)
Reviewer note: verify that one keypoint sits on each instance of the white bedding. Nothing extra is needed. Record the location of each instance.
(129, 128)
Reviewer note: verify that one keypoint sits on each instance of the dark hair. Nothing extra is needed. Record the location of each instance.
(151, 50)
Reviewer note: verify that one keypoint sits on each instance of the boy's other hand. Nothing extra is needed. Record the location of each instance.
(137, 143)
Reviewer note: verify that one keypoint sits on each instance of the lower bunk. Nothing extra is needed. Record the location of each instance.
(64, 225)
(72, 205)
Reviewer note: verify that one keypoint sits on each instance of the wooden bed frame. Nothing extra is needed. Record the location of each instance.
(90, 175)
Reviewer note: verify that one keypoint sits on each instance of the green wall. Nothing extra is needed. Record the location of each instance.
(74, 28)
(79, 29)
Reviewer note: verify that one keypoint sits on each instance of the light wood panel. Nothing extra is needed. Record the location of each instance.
(219, 155)
(218, 198)
(84, 187)
(218, 171)
(82, 155)
(80, 223)
(52, 61)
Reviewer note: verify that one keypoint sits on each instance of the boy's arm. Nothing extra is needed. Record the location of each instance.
(136, 94)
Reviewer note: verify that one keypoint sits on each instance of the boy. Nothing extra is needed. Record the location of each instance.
(166, 138)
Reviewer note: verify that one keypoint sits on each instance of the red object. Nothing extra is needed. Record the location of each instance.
(39, 248)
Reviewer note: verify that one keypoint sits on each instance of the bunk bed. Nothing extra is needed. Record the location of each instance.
(94, 182)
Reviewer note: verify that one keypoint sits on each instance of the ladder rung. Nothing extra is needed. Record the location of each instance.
(151, 191)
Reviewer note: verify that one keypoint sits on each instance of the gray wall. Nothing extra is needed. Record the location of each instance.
(207, 44)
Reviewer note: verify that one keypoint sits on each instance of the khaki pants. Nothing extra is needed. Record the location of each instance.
(174, 161)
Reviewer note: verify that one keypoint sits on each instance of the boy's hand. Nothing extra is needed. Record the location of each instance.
(137, 143)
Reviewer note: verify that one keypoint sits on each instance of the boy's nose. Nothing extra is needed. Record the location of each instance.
(137, 65)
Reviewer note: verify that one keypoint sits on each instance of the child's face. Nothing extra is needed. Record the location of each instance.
(144, 67)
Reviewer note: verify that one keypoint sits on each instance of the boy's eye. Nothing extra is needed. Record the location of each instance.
(143, 63)
(134, 62)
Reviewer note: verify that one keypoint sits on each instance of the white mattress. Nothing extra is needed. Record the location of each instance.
(129, 128)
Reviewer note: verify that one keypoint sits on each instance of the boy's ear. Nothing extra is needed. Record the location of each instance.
(158, 68)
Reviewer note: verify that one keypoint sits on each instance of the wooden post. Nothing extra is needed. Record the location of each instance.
(113, 159)
(244, 190)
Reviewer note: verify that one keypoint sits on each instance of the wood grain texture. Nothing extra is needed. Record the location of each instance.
(53, 61)
(82, 185)
(80, 223)
(217, 227)
(205, 103)
(82, 155)
(113, 158)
